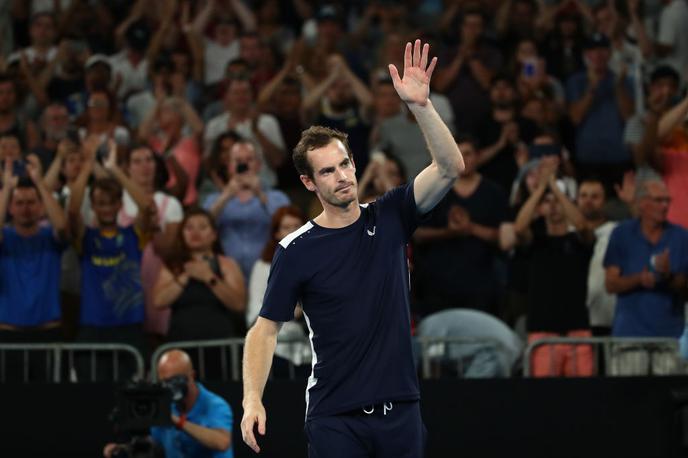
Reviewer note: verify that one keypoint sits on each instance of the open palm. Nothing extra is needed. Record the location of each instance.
(414, 87)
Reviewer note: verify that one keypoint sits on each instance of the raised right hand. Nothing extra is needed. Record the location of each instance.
(254, 415)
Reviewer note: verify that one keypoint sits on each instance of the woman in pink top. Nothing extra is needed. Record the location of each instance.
(172, 129)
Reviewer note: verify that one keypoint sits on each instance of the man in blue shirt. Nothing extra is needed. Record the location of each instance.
(202, 420)
(30, 254)
(348, 269)
(599, 103)
(645, 266)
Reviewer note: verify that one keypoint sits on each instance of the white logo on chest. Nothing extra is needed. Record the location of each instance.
(371, 233)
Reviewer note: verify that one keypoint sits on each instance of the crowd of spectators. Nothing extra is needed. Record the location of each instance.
(147, 174)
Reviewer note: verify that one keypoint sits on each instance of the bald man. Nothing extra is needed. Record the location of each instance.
(203, 420)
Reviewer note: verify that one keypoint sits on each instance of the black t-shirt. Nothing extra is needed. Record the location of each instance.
(353, 285)
(464, 266)
(502, 168)
(557, 281)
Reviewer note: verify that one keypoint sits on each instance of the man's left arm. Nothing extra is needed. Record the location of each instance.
(434, 181)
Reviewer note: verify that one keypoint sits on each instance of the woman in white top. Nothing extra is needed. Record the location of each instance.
(291, 359)
(141, 165)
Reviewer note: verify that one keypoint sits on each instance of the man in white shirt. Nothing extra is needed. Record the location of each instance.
(130, 66)
(263, 129)
(591, 200)
(42, 32)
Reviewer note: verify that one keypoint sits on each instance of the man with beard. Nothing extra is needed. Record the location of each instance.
(591, 201)
(54, 126)
(504, 135)
(348, 269)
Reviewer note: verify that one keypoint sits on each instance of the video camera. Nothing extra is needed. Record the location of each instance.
(140, 406)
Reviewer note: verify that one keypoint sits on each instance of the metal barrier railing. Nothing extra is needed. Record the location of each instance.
(611, 356)
(432, 350)
(54, 362)
(460, 351)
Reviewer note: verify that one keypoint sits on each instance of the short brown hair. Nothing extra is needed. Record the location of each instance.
(109, 186)
(312, 138)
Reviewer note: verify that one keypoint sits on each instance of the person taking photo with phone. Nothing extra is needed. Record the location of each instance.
(244, 208)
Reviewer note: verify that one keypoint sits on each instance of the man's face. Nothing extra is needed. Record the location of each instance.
(26, 208)
(249, 50)
(339, 94)
(105, 207)
(502, 93)
(288, 99)
(10, 148)
(72, 165)
(55, 122)
(225, 33)
(591, 200)
(334, 175)
(522, 16)
(142, 166)
(239, 96)
(7, 97)
(243, 154)
(598, 58)
(329, 32)
(98, 76)
(654, 206)
(387, 102)
(471, 28)
(42, 31)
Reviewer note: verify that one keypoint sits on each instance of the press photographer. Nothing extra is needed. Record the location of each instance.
(202, 421)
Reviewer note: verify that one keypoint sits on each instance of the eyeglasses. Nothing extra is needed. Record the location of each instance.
(660, 200)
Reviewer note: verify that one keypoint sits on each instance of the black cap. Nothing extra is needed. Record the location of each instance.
(328, 13)
(138, 35)
(597, 40)
(665, 71)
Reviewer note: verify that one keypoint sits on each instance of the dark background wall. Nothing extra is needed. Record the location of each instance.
(623, 417)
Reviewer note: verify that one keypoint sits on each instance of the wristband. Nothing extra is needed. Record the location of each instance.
(180, 424)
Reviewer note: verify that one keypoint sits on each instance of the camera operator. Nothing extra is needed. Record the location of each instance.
(244, 208)
(202, 420)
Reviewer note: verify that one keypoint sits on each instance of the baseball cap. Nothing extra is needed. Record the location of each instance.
(328, 13)
(597, 40)
(97, 59)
